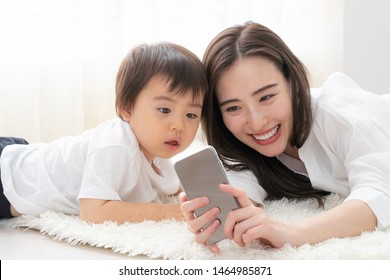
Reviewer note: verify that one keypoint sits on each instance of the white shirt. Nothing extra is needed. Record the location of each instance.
(102, 163)
(348, 149)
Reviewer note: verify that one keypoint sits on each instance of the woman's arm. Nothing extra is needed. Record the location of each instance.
(250, 223)
(348, 219)
(98, 211)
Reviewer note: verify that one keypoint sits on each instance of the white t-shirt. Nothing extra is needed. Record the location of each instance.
(102, 163)
(348, 149)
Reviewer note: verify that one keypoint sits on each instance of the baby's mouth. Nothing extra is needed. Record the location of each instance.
(172, 143)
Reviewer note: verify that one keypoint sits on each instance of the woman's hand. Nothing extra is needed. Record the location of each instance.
(249, 223)
(240, 223)
(197, 224)
(243, 225)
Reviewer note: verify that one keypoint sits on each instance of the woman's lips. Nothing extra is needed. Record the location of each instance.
(268, 136)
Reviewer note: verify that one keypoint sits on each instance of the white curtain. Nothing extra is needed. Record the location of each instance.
(59, 58)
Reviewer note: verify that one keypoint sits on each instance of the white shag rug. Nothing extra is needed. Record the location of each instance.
(172, 240)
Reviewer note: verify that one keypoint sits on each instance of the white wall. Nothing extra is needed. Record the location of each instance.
(367, 43)
(58, 59)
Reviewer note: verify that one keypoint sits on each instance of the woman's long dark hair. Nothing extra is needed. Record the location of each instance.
(254, 40)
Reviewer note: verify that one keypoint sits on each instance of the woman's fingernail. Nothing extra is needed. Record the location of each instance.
(216, 223)
(215, 211)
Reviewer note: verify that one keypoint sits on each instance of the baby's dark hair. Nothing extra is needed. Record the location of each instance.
(182, 69)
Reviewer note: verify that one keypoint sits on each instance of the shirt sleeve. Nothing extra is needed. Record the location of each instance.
(363, 145)
(368, 166)
(104, 172)
(169, 182)
(247, 181)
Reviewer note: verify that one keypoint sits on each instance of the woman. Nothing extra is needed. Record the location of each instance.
(278, 139)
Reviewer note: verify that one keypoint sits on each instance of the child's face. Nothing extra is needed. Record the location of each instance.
(164, 123)
(255, 102)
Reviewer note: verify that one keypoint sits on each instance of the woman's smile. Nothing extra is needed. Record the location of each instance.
(256, 106)
(267, 137)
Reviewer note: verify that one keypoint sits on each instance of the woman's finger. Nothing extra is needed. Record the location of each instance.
(199, 223)
(204, 235)
(239, 194)
(239, 220)
(241, 230)
(182, 197)
(188, 207)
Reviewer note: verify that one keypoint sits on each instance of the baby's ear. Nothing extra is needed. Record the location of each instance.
(125, 114)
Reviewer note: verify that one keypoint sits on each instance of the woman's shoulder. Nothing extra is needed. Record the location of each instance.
(340, 94)
(341, 108)
(339, 79)
(336, 88)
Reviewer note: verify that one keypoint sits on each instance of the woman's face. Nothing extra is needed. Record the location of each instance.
(256, 106)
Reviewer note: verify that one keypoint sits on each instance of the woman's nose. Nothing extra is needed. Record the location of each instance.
(256, 120)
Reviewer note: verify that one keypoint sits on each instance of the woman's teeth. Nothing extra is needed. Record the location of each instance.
(268, 135)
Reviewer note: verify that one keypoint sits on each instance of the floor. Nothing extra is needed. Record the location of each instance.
(29, 244)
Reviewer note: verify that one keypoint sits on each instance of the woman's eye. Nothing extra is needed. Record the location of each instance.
(164, 110)
(191, 116)
(266, 97)
(232, 108)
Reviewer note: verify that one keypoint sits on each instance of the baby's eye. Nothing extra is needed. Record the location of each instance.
(191, 116)
(164, 110)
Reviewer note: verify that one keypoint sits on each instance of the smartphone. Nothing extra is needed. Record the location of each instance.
(200, 174)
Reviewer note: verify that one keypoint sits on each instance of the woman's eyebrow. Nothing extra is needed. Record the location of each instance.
(264, 88)
(223, 103)
(260, 90)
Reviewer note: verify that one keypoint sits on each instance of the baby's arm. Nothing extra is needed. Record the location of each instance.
(98, 211)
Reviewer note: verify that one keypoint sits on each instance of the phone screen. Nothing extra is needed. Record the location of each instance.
(200, 174)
